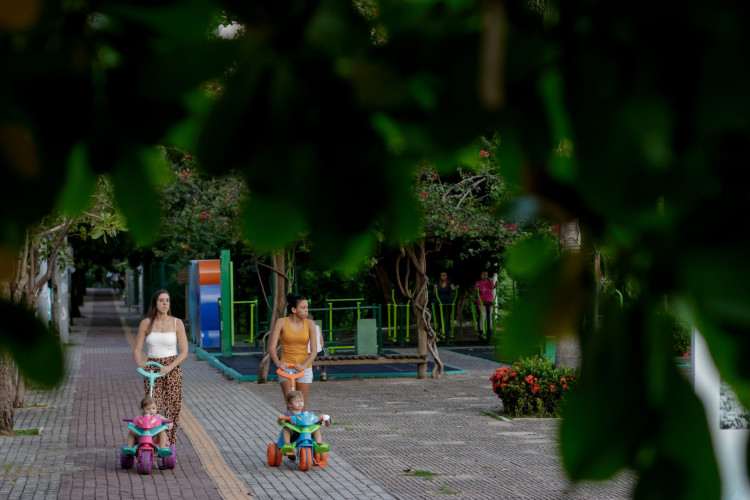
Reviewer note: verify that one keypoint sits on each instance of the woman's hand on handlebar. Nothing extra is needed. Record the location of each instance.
(299, 368)
(283, 366)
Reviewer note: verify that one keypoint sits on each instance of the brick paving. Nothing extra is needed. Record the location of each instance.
(397, 438)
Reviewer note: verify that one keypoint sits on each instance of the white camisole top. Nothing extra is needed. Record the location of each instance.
(162, 344)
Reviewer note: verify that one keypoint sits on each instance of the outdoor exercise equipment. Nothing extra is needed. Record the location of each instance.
(446, 333)
(306, 451)
(368, 337)
(394, 326)
(330, 302)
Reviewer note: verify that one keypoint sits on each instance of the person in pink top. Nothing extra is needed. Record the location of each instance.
(485, 300)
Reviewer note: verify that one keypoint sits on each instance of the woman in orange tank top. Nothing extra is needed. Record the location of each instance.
(294, 334)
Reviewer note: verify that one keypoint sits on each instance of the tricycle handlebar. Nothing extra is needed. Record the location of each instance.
(163, 420)
(290, 376)
(151, 376)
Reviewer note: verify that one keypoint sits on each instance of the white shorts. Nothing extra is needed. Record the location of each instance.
(307, 378)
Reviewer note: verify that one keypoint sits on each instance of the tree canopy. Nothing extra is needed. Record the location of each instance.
(658, 126)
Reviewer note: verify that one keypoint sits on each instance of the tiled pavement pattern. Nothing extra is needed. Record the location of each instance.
(385, 430)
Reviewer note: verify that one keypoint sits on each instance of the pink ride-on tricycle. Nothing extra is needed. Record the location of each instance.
(146, 427)
(308, 452)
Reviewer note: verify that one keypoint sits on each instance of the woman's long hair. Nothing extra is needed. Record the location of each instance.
(153, 311)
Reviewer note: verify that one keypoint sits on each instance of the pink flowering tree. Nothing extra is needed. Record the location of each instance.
(459, 208)
(200, 212)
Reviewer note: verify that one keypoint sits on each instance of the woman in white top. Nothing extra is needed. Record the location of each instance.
(166, 343)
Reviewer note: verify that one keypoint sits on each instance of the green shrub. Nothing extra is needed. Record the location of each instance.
(681, 335)
(533, 387)
(681, 341)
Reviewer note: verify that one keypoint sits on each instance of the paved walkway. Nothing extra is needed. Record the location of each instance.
(388, 433)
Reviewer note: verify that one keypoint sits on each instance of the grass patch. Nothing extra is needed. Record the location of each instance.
(8, 467)
(424, 474)
(444, 490)
(25, 432)
(36, 405)
(342, 423)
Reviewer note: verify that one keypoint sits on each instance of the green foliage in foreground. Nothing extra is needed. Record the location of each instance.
(657, 129)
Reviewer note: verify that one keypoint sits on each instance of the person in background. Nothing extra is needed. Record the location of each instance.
(321, 348)
(445, 289)
(485, 301)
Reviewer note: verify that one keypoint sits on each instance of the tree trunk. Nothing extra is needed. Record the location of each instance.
(20, 397)
(24, 290)
(282, 284)
(427, 338)
(568, 347)
(7, 388)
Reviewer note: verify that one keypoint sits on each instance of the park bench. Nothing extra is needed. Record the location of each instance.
(365, 359)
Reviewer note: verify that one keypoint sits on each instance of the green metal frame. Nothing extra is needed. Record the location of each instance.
(253, 319)
(227, 296)
(448, 334)
(331, 329)
(331, 344)
(226, 314)
(393, 326)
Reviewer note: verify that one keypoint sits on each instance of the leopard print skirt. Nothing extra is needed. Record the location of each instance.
(167, 393)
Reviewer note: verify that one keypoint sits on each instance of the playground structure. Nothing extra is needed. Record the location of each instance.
(212, 311)
(214, 314)
(366, 342)
(204, 291)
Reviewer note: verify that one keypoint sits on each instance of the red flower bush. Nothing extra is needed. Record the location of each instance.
(532, 386)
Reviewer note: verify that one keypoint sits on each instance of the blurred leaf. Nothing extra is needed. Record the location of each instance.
(156, 167)
(138, 200)
(36, 350)
(19, 15)
(182, 21)
(583, 430)
(271, 225)
(468, 157)
(530, 258)
(79, 184)
(390, 131)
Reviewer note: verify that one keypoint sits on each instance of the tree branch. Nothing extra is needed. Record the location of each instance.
(260, 280)
(468, 191)
(398, 274)
(51, 260)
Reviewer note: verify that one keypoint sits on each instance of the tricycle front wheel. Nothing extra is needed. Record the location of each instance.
(144, 466)
(273, 453)
(305, 458)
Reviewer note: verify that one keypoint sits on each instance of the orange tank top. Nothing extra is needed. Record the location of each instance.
(294, 344)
